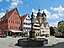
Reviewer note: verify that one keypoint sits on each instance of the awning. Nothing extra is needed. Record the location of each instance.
(15, 31)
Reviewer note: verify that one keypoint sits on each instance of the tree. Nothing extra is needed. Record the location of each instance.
(51, 31)
(61, 28)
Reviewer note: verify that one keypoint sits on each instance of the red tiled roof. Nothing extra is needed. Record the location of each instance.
(8, 14)
(23, 17)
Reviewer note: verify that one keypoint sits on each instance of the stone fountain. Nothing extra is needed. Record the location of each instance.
(32, 40)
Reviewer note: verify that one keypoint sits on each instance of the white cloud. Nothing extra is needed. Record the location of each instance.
(0, 0)
(2, 14)
(51, 7)
(59, 9)
(2, 9)
(18, 1)
(57, 13)
(53, 24)
(8, 0)
(14, 3)
(49, 15)
(55, 16)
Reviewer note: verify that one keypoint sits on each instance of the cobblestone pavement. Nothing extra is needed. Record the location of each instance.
(9, 42)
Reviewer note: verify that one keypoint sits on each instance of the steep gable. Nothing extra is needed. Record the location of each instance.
(8, 14)
(15, 15)
(23, 17)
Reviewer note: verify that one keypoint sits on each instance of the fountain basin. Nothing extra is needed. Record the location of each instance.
(31, 43)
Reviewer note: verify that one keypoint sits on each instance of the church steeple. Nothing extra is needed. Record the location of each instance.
(38, 14)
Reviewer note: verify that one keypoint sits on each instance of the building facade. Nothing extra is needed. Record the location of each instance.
(25, 24)
(11, 22)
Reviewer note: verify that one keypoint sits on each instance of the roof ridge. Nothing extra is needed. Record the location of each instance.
(12, 10)
(23, 17)
(7, 15)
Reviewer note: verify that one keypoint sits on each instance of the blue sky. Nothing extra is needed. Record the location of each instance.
(54, 9)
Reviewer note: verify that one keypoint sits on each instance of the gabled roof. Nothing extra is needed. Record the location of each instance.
(23, 17)
(8, 14)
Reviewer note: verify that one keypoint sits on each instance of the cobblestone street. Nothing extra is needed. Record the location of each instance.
(10, 42)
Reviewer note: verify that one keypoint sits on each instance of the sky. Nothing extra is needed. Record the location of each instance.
(54, 9)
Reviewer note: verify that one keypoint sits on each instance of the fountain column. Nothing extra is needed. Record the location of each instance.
(32, 32)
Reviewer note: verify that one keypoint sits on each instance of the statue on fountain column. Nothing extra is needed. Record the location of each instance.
(32, 32)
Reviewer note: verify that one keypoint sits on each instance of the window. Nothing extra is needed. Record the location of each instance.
(26, 19)
(23, 23)
(28, 28)
(43, 31)
(16, 27)
(24, 27)
(26, 23)
(16, 22)
(13, 21)
(11, 27)
(42, 35)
